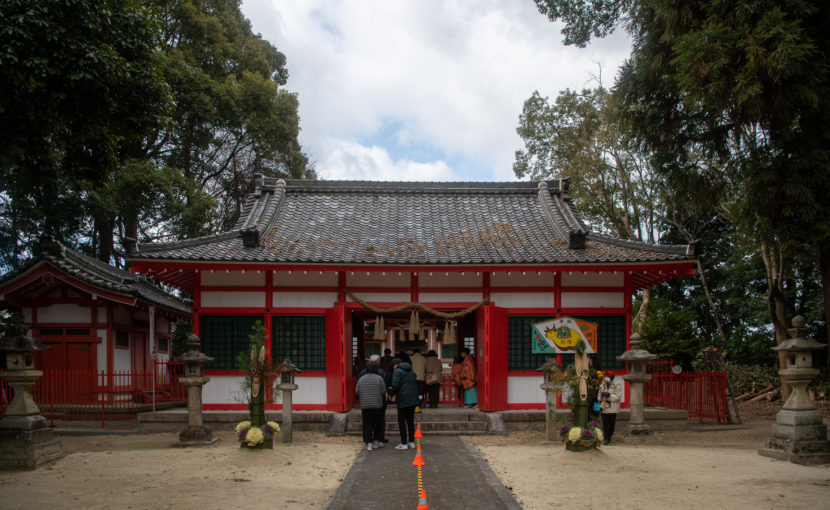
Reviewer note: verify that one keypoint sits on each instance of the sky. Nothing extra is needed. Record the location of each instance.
(422, 90)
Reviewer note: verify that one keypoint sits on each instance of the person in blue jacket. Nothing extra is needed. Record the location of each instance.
(405, 388)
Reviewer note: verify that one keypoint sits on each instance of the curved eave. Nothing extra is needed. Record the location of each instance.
(181, 274)
(43, 269)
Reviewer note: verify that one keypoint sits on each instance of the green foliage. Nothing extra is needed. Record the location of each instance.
(256, 342)
(78, 82)
(583, 20)
(742, 377)
(181, 330)
(135, 119)
(669, 331)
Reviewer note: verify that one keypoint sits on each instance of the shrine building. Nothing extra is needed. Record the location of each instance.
(339, 270)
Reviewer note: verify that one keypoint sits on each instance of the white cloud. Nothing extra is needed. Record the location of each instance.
(450, 75)
(352, 161)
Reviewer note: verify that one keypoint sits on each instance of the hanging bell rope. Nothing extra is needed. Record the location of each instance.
(414, 305)
(376, 333)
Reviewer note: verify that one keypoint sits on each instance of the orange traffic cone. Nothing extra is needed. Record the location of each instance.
(418, 434)
(419, 460)
(422, 503)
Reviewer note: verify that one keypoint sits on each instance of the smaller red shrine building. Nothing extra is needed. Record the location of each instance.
(335, 271)
(93, 316)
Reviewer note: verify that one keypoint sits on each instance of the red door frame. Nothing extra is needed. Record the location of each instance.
(339, 384)
(491, 358)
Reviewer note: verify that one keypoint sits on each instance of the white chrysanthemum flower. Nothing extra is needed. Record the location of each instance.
(254, 435)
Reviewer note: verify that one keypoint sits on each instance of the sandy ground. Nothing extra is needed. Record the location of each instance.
(145, 472)
(711, 467)
(705, 467)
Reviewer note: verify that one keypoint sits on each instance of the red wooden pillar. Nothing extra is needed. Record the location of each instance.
(492, 358)
(339, 383)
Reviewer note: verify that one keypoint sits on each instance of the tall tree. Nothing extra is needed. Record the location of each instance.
(754, 78)
(78, 80)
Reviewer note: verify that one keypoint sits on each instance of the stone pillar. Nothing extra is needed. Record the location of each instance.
(636, 376)
(195, 434)
(26, 441)
(549, 370)
(799, 433)
(287, 370)
(287, 403)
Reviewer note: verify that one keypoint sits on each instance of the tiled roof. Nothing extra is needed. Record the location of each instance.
(98, 274)
(410, 223)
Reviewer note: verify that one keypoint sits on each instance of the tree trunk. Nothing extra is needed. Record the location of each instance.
(776, 304)
(642, 314)
(712, 305)
(824, 265)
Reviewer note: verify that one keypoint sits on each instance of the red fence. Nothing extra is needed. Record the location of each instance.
(94, 395)
(701, 394)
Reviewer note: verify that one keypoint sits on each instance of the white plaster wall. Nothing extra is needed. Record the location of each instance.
(592, 279)
(230, 389)
(304, 299)
(524, 389)
(310, 278)
(102, 314)
(121, 359)
(383, 297)
(522, 299)
(64, 313)
(102, 348)
(311, 390)
(447, 279)
(593, 300)
(224, 389)
(252, 278)
(233, 299)
(378, 279)
(522, 279)
(449, 297)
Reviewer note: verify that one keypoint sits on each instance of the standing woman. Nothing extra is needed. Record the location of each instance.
(405, 387)
(432, 378)
(610, 392)
(468, 378)
(456, 378)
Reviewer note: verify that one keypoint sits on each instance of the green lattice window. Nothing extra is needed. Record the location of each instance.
(370, 348)
(224, 337)
(449, 351)
(301, 338)
(611, 341)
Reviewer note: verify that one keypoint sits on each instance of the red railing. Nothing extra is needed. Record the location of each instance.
(92, 395)
(701, 394)
(448, 394)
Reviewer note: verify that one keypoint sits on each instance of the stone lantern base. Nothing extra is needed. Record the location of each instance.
(799, 437)
(196, 436)
(28, 449)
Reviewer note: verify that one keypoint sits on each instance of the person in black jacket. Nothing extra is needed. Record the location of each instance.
(405, 387)
(371, 388)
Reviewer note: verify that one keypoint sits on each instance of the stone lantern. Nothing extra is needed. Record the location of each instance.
(196, 434)
(25, 439)
(549, 370)
(799, 434)
(636, 376)
(286, 385)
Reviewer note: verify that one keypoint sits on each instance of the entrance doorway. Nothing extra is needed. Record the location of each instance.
(432, 334)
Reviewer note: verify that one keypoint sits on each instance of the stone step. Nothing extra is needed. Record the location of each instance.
(459, 427)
